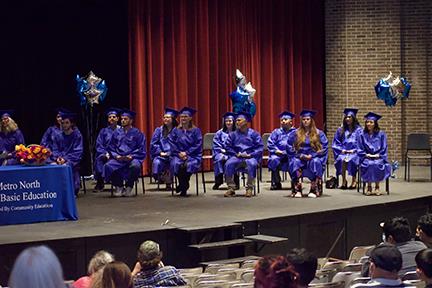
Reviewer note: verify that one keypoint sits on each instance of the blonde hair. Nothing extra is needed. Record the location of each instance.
(99, 260)
(10, 127)
(313, 136)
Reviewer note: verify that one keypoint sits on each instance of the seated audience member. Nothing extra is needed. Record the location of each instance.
(94, 270)
(186, 150)
(68, 147)
(277, 145)
(372, 145)
(307, 149)
(305, 264)
(48, 136)
(102, 142)
(424, 266)
(149, 271)
(10, 135)
(160, 149)
(37, 267)
(397, 231)
(219, 149)
(424, 229)
(127, 150)
(345, 148)
(275, 272)
(245, 149)
(385, 264)
(117, 275)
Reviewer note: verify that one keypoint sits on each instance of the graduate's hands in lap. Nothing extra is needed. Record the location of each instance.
(243, 155)
(183, 155)
(373, 156)
(306, 157)
(60, 161)
(279, 152)
(163, 154)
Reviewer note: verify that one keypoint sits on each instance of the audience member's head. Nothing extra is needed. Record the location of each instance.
(98, 261)
(149, 255)
(37, 267)
(424, 265)
(397, 230)
(305, 264)
(385, 262)
(273, 272)
(116, 275)
(424, 229)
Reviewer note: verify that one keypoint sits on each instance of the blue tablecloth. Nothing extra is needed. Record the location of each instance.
(36, 194)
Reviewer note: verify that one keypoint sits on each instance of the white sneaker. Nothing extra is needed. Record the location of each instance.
(118, 191)
(298, 195)
(128, 192)
(312, 195)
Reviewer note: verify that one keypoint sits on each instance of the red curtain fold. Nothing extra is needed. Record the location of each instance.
(185, 52)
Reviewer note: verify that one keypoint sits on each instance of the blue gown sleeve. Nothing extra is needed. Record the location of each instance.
(383, 150)
(324, 142)
(45, 137)
(19, 138)
(271, 142)
(218, 143)
(113, 144)
(258, 146)
(195, 149)
(173, 140)
(290, 145)
(229, 145)
(100, 145)
(76, 151)
(140, 150)
(337, 144)
(155, 143)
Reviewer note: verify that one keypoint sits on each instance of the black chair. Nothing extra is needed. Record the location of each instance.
(420, 143)
(141, 176)
(363, 184)
(207, 153)
(265, 137)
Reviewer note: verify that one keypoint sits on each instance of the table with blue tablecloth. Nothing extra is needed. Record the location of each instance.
(31, 194)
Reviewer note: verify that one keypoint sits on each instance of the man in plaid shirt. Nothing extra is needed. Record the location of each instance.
(150, 272)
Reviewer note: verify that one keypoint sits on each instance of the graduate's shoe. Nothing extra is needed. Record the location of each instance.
(368, 191)
(183, 193)
(178, 189)
(218, 182)
(248, 192)
(297, 195)
(276, 186)
(312, 195)
(128, 192)
(99, 187)
(229, 193)
(377, 192)
(118, 191)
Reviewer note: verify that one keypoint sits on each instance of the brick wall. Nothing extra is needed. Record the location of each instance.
(364, 40)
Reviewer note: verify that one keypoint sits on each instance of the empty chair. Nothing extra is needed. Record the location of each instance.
(352, 267)
(207, 153)
(419, 143)
(248, 276)
(265, 137)
(339, 284)
(346, 277)
(195, 270)
(213, 268)
(249, 263)
(358, 252)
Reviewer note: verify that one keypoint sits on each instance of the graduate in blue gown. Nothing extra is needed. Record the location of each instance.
(67, 147)
(48, 136)
(160, 149)
(10, 135)
(186, 149)
(345, 148)
(127, 150)
(220, 155)
(307, 152)
(245, 149)
(277, 147)
(102, 141)
(372, 145)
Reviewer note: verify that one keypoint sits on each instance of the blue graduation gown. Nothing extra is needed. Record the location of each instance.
(102, 142)
(132, 142)
(70, 148)
(8, 142)
(189, 141)
(249, 142)
(278, 140)
(348, 141)
(313, 168)
(159, 144)
(219, 156)
(48, 136)
(376, 169)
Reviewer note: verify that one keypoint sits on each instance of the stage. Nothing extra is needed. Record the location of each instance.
(121, 224)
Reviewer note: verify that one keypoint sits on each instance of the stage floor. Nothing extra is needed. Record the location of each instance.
(99, 214)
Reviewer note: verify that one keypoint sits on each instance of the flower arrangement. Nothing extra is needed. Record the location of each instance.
(32, 154)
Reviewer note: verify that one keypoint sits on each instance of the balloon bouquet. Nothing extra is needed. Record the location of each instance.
(391, 89)
(91, 91)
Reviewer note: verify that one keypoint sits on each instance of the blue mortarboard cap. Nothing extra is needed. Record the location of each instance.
(244, 115)
(7, 113)
(372, 116)
(350, 111)
(187, 111)
(68, 115)
(172, 112)
(307, 113)
(112, 110)
(60, 110)
(228, 115)
(128, 113)
(287, 114)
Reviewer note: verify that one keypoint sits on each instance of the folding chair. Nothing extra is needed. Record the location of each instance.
(207, 147)
(417, 142)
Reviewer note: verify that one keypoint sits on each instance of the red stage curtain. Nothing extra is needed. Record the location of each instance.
(185, 52)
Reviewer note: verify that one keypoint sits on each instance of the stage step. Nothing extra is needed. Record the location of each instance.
(221, 244)
(265, 239)
(229, 261)
(194, 229)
